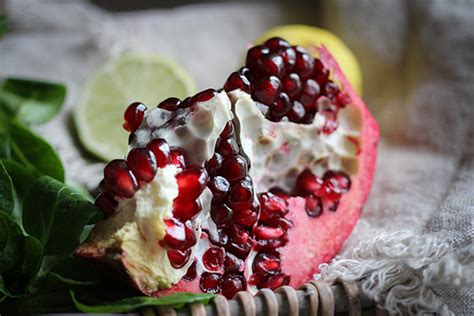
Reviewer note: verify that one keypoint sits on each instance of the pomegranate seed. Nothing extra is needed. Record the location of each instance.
(102, 187)
(178, 258)
(304, 64)
(235, 168)
(184, 208)
(280, 193)
(332, 89)
(241, 194)
(222, 236)
(271, 206)
(283, 223)
(297, 112)
(275, 43)
(191, 182)
(228, 130)
(331, 205)
(254, 54)
(342, 99)
(307, 118)
(237, 81)
(244, 71)
(271, 244)
(143, 163)
(271, 64)
(233, 264)
(213, 164)
(191, 273)
(210, 282)
(185, 103)
(106, 203)
(330, 123)
(291, 85)
(245, 217)
(161, 150)
(266, 263)
(267, 90)
(119, 178)
(239, 250)
(170, 104)
(203, 96)
(178, 236)
(263, 232)
(309, 94)
(133, 116)
(308, 183)
(289, 57)
(219, 187)
(337, 181)
(213, 259)
(281, 106)
(233, 284)
(313, 206)
(177, 157)
(274, 281)
(221, 214)
(238, 234)
(228, 147)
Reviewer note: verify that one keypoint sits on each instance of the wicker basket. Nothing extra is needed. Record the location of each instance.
(314, 298)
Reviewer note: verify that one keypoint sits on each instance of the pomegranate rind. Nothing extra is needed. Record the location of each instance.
(314, 241)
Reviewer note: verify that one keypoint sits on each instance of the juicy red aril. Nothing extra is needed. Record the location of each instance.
(178, 258)
(271, 206)
(160, 148)
(234, 168)
(240, 250)
(274, 281)
(184, 208)
(210, 282)
(281, 106)
(289, 57)
(245, 217)
(191, 273)
(308, 183)
(267, 90)
(143, 163)
(233, 284)
(331, 89)
(213, 164)
(170, 104)
(263, 232)
(291, 85)
(237, 81)
(203, 96)
(106, 203)
(219, 187)
(119, 178)
(271, 64)
(337, 181)
(297, 112)
(304, 64)
(313, 206)
(213, 259)
(331, 204)
(238, 234)
(177, 157)
(342, 99)
(233, 264)
(309, 94)
(221, 239)
(275, 43)
(133, 116)
(241, 194)
(221, 214)
(179, 236)
(254, 54)
(266, 263)
(227, 131)
(228, 147)
(330, 122)
(185, 103)
(191, 182)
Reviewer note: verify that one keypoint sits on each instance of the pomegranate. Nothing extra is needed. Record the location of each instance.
(245, 188)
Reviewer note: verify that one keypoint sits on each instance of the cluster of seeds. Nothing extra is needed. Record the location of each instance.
(289, 82)
(322, 193)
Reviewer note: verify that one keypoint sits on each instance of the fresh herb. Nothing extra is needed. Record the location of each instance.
(3, 24)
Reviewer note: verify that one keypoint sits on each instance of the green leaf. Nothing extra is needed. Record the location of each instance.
(30, 150)
(177, 300)
(11, 244)
(31, 101)
(32, 256)
(3, 24)
(4, 147)
(7, 201)
(22, 177)
(56, 215)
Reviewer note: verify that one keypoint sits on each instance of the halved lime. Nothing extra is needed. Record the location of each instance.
(130, 78)
(311, 37)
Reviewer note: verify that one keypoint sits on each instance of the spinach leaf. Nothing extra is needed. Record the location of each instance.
(31, 101)
(11, 244)
(22, 177)
(56, 215)
(28, 269)
(4, 146)
(177, 300)
(7, 202)
(3, 24)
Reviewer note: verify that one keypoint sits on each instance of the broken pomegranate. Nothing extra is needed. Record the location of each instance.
(246, 188)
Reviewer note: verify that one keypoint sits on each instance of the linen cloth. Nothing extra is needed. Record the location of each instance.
(412, 249)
